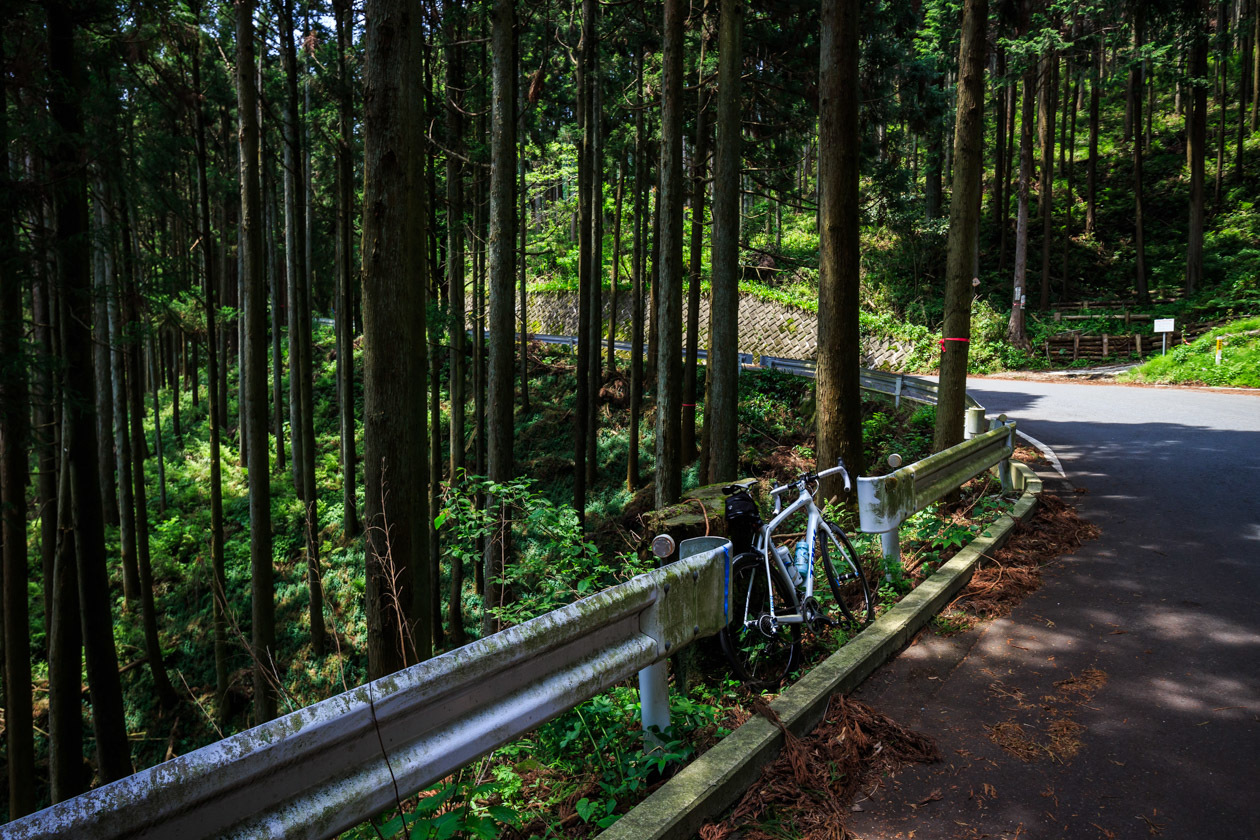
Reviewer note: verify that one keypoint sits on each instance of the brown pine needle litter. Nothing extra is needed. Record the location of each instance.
(1007, 576)
(814, 780)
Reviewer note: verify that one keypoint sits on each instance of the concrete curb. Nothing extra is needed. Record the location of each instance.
(713, 782)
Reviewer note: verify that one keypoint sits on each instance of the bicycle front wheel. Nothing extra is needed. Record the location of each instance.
(760, 650)
(843, 569)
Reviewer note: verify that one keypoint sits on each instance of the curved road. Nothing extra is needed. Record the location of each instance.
(1164, 606)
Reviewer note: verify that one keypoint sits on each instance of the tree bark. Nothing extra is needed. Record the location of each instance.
(1091, 172)
(668, 314)
(102, 277)
(722, 372)
(456, 283)
(218, 579)
(586, 146)
(1049, 108)
(699, 188)
(502, 265)
(964, 222)
(616, 266)
(595, 183)
(65, 659)
(839, 397)
(395, 364)
(637, 261)
(1222, 70)
(344, 161)
(67, 89)
(1016, 332)
(139, 495)
(121, 435)
(1244, 88)
(14, 439)
(1139, 208)
(999, 158)
(1196, 142)
(254, 375)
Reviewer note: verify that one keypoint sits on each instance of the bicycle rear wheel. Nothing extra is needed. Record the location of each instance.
(843, 570)
(761, 653)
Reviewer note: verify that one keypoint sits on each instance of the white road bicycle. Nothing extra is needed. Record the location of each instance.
(772, 595)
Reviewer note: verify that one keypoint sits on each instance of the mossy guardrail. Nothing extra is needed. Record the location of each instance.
(328, 767)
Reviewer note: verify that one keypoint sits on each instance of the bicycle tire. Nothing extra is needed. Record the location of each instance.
(849, 586)
(758, 659)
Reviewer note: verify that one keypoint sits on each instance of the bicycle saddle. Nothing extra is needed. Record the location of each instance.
(736, 487)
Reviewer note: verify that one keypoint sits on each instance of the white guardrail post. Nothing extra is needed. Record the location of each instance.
(323, 769)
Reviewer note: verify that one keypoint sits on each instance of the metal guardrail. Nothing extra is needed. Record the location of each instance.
(885, 502)
(323, 769)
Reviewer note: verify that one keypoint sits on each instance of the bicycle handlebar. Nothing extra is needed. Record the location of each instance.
(810, 478)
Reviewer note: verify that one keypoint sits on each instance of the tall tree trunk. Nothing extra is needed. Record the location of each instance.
(102, 276)
(394, 327)
(121, 445)
(1244, 86)
(1049, 107)
(1139, 208)
(298, 269)
(616, 266)
(1091, 171)
(502, 391)
(345, 268)
(595, 184)
(964, 222)
(218, 580)
(523, 232)
(46, 431)
(667, 316)
(1222, 71)
(1255, 67)
(67, 89)
(135, 381)
(698, 190)
(294, 239)
(586, 145)
(999, 156)
(839, 397)
(19, 730)
(254, 375)
(456, 284)
(1016, 332)
(1197, 140)
(636, 293)
(276, 293)
(722, 372)
(65, 660)
(155, 376)
(1070, 171)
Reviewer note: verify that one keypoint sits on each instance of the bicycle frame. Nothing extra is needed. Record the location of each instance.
(804, 499)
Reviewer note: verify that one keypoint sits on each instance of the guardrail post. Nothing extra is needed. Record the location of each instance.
(890, 542)
(974, 424)
(1004, 466)
(654, 703)
(897, 393)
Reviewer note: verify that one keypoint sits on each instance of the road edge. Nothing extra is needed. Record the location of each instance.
(715, 780)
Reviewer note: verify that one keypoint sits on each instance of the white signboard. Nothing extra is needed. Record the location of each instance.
(1164, 325)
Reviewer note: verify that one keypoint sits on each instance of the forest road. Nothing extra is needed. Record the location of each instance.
(1122, 699)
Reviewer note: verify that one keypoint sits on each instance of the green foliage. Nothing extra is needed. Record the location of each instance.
(553, 564)
(1196, 362)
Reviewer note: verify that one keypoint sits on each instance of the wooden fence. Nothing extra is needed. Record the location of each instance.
(1071, 346)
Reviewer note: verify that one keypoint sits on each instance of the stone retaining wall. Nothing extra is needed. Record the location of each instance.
(765, 327)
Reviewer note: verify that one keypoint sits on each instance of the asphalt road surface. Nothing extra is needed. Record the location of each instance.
(1143, 649)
